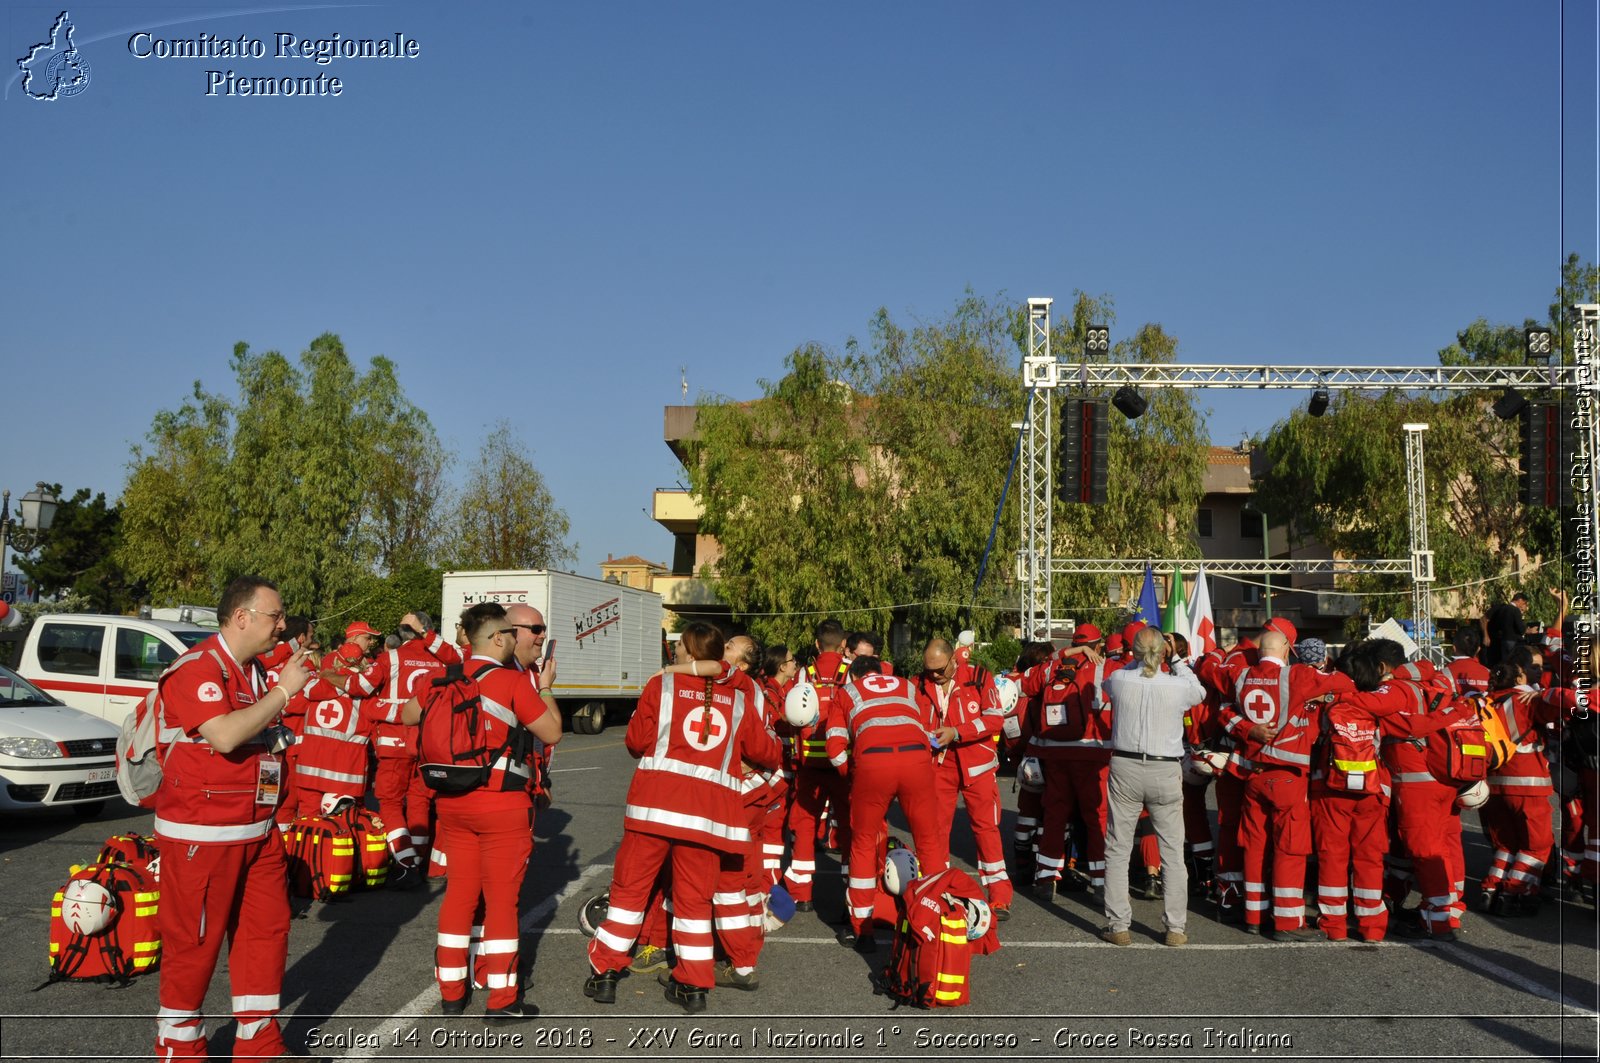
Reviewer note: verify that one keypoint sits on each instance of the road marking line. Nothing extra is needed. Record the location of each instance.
(558, 771)
(428, 999)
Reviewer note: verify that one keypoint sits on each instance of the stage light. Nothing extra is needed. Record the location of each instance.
(1129, 402)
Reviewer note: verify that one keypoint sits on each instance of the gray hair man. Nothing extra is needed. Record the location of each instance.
(1147, 707)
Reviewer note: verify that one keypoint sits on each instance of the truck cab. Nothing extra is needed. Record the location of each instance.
(104, 665)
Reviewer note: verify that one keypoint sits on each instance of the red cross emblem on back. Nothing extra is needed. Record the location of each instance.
(704, 728)
(330, 714)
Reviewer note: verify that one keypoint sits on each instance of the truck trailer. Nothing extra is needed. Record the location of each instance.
(608, 637)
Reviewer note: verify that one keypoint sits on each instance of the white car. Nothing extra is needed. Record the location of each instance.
(52, 755)
(104, 665)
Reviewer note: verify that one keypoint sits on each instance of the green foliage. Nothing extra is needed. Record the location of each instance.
(295, 479)
(1343, 478)
(382, 600)
(998, 656)
(507, 518)
(863, 479)
(77, 555)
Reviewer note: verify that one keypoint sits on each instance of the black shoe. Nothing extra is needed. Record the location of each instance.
(804, 906)
(1252, 928)
(602, 988)
(1045, 889)
(1299, 933)
(692, 999)
(1486, 899)
(1500, 904)
(453, 1007)
(846, 937)
(406, 878)
(1002, 913)
(1073, 881)
(512, 1013)
(866, 944)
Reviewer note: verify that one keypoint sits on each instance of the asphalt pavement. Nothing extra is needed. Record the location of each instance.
(360, 985)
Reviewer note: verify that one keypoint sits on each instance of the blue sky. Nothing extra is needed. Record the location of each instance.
(555, 206)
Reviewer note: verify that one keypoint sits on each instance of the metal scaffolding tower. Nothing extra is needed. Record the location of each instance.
(1039, 376)
(1421, 556)
(1042, 374)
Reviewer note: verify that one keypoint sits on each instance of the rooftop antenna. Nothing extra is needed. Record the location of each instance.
(683, 379)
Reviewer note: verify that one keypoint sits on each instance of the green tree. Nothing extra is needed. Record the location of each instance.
(77, 555)
(294, 479)
(506, 517)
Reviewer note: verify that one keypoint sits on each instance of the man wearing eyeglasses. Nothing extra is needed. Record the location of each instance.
(224, 872)
(406, 805)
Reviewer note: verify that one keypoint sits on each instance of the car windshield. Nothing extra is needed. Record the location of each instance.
(192, 638)
(16, 692)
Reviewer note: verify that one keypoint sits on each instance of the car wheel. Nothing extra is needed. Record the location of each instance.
(89, 810)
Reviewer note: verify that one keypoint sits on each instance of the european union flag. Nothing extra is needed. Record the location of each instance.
(1149, 611)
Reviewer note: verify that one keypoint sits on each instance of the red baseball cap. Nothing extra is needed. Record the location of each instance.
(1085, 634)
(1132, 630)
(1282, 627)
(1114, 643)
(360, 627)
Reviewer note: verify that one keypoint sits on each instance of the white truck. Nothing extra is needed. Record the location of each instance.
(608, 637)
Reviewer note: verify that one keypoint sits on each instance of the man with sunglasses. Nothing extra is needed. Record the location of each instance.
(405, 803)
(529, 657)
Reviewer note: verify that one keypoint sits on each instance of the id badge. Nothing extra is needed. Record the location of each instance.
(1055, 715)
(1012, 728)
(269, 781)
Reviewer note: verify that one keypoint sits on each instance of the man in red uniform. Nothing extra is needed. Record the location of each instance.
(816, 781)
(333, 732)
(1275, 723)
(397, 676)
(966, 716)
(1471, 677)
(224, 876)
(1072, 741)
(685, 808)
(880, 722)
(489, 830)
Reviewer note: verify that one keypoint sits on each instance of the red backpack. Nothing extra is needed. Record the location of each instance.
(140, 850)
(1458, 753)
(453, 751)
(1351, 740)
(321, 853)
(103, 925)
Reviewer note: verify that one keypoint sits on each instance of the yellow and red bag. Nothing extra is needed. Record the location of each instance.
(322, 857)
(140, 850)
(111, 942)
(372, 847)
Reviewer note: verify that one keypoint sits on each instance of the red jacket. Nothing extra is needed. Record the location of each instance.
(1402, 707)
(206, 797)
(875, 711)
(1270, 692)
(1470, 676)
(1071, 718)
(973, 709)
(1527, 773)
(397, 676)
(689, 784)
(333, 732)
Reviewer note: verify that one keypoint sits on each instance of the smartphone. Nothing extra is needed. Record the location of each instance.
(549, 648)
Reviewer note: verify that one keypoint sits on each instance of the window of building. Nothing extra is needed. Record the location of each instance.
(1249, 524)
(1203, 521)
(1253, 594)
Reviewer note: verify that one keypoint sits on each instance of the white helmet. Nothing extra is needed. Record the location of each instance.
(801, 704)
(87, 907)
(1008, 690)
(1030, 775)
(1473, 796)
(979, 917)
(899, 870)
(593, 913)
(1195, 770)
(967, 638)
(333, 804)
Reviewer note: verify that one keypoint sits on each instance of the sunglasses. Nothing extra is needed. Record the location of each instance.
(533, 629)
(507, 631)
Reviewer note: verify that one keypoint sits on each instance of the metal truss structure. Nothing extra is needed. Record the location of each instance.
(1043, 375)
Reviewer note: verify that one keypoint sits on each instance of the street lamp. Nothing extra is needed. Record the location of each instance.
(36, 511)
(1251, 506)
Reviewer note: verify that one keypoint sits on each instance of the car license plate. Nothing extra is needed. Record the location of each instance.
(101, 775)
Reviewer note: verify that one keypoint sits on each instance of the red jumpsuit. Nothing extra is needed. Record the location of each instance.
(332, 731)
(1201, 728)
(1275, 812)
(685, 807)
(1219, 674)
(489, 833)
(397, 676)
(223, 874)
(817, 783)
(1516, 818)
(969, 767)
(1427, 823)
(1350, 822)
(1073, 744)
(879, 721)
